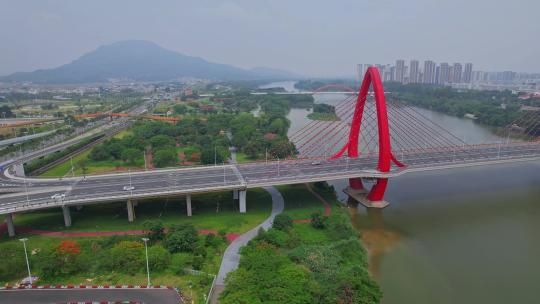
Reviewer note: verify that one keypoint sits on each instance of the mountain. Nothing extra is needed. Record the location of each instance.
(138, 60)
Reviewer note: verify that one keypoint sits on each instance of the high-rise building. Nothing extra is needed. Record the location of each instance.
(467, 74)
(429, 71)
(438, 75)
(359, 73)
(413, 71)
(444, 73)
(457, 71)
(400, 70)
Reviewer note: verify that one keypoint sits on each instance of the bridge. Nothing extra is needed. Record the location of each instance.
(374, 139)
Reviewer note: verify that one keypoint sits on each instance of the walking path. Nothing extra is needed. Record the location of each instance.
(231, 257)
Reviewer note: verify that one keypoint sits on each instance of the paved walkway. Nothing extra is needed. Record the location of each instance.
(231, 257)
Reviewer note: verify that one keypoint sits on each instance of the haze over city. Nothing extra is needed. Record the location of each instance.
(296, 36)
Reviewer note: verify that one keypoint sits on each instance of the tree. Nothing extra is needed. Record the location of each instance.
(180, 109)
(282, 222)
(210, 155)
(99, 153)
(130, 155)
(5, 112)
(181, 238)
(161, 140)
(155, 230)
(83, 164)
(282, 148)
(165, 157)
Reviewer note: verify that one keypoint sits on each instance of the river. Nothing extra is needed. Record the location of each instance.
(456, 236)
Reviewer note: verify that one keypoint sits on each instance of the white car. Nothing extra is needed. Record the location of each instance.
(58, 196)
(316, 162)
(129, 188)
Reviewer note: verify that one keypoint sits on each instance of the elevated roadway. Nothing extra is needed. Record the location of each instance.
(186, 181)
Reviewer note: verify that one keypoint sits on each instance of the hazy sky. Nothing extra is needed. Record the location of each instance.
(306, 36)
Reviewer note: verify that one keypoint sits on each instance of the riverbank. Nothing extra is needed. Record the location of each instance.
(321, 261)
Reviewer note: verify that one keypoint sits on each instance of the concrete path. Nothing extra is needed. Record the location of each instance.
(231, 257)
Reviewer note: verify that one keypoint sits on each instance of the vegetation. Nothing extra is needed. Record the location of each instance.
(323, 112)
(40, 162)
(285, 266)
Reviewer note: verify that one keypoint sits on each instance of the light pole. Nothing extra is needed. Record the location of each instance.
(145, 240)
(23, 240)
(130, 185)
(72, 169)
(215, 156)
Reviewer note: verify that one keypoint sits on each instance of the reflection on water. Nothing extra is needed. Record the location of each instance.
(457, 236)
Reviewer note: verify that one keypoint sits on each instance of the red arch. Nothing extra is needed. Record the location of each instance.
(385, 150)
(334, 86)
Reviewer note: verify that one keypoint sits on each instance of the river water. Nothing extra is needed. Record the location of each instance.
(456, 236)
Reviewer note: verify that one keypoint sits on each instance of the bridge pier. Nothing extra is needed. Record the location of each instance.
(242, 201)
(67, 215)
(372, 199)
(10, 226)
(130, 210)
(188, 204)
(235, 194)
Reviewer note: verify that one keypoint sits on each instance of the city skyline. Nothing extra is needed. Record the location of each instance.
(443, 73)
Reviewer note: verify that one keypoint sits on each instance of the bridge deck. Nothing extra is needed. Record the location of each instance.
(170, 182)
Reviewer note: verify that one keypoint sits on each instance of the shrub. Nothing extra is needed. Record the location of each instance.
(179, 261)
(318, 221)
(158, 257)
(128, 256)
(212, 241)
(198, 262)
(154, 230)
(282, 221)
(182, 238)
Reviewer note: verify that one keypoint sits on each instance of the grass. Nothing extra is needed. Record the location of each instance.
(212, 211)
(243, 158)
(299, 202)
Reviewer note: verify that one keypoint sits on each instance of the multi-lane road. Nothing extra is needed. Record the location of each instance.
(38, 193)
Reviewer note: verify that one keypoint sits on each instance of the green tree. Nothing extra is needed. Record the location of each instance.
(165, 157)
(161, 140)
(282, 222)
(181, 239)
(155, 230)
(129, 155)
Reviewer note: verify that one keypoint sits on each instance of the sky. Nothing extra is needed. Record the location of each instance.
(310, 37)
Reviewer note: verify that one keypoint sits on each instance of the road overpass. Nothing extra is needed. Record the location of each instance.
(239, 177)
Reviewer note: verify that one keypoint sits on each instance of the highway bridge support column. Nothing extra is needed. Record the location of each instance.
(188, 204)
(242, 201)
(10, 226)
(235, 194)
(67, 216)
(356, 184)
(130, 210)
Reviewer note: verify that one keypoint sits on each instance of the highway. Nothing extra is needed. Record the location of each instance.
(181, 181)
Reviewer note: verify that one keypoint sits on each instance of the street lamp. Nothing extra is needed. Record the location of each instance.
(23, 240)
(145, 240)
